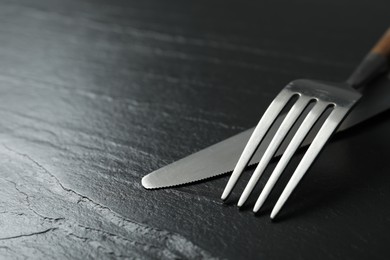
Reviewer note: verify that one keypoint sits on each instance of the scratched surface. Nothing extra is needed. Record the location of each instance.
(96, 94)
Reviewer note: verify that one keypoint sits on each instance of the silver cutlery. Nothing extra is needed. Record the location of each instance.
(221, 157)
(340, 98)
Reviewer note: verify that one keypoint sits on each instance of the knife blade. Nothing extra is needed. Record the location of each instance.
(221, 157)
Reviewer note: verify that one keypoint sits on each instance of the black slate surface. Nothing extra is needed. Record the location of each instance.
(96, 94)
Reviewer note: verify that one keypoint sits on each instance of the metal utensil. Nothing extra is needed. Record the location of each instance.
(339, 97)
(221, 157)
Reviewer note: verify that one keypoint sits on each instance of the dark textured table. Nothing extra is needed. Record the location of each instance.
(96, 94)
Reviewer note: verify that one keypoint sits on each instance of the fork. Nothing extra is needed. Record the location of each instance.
(338, 97)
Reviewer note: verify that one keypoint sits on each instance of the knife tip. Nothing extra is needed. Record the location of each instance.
(146, 183)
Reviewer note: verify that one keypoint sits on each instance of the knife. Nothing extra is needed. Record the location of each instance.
(221, 157)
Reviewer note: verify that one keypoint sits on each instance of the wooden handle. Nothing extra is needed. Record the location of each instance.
(382, 47)
(374, 64)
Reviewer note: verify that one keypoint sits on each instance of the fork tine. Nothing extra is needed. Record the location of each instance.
(316, 146)
(278, 138)
(296, 141)
(258, 134)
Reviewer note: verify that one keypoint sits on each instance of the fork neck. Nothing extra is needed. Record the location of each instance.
(374, 64)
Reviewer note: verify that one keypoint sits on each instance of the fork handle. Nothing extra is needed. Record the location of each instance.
(375, 63)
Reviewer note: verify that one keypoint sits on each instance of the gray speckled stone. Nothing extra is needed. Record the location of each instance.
(96, 94)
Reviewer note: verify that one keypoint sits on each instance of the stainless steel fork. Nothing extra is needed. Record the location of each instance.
(339, 97)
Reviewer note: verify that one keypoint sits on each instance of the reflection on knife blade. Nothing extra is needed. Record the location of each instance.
(221, 158)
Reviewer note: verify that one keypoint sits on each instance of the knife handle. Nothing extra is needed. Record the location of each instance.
(374, 64)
